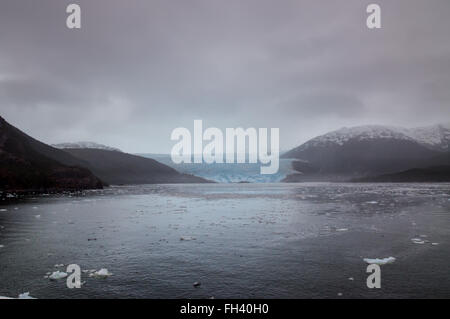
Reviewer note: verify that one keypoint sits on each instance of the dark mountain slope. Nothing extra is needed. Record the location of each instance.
(27, 164)
(121, 168)
(365, 157)
(366, 151)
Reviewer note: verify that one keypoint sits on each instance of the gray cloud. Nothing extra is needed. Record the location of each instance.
(138, 69)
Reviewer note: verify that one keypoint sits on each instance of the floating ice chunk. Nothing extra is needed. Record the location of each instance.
(342, 229)
(340, 294)
(90, 271)
(3, 210)
(1, 246)
(25, 295)
(102, 273)
(351, 279)
(59, 265)
(435, 244)
(35, 207)
(418, 241)
(196, 284)
(187, 238)
(372, 202)
(38, 216)
(378, 261)
(57, 275)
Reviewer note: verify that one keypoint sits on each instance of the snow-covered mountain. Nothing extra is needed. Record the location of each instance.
(372, 149)
(435, 137)
(83, 145)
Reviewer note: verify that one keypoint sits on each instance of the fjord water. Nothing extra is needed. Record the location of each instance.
(237, 240)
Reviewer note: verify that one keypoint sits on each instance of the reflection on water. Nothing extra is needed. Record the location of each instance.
(238, 240)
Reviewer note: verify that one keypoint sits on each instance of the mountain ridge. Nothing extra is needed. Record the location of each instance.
(436, 137)
(85, 144)
(362, 151)
(29, 165)
(118, 168)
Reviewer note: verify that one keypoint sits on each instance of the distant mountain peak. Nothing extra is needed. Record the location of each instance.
(86, 145)
(366, 132)
(372, 150)
(435, 137)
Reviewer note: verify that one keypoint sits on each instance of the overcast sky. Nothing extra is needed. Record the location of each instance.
(137, 69)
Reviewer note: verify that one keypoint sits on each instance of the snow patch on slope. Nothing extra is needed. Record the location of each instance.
(435, 137)
(88, 145)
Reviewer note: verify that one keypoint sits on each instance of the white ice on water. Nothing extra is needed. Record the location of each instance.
(187, 238)
(57, 275)
(418, 241)
(25, 295)
(102, 273)
(380, 261)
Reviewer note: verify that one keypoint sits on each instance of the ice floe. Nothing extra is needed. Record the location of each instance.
(37, 216)
(380, 261)
(1, 246)
(417, 241)
(3, 210)
(187, 238)
(88, 271)
(102, 273)
(341, 229)
(57, 275)
(25, 295)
